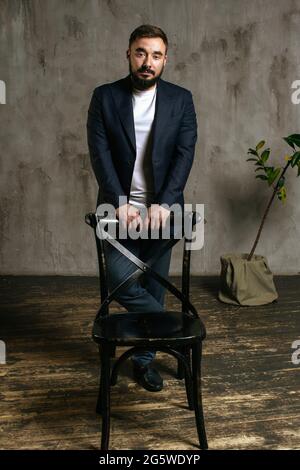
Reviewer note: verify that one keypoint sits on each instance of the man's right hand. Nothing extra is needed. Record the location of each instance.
(126, 214)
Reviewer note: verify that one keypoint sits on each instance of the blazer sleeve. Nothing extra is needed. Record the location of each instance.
(182, 160)
(100, 153)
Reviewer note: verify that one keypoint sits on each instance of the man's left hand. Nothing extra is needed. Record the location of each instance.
(158, 215)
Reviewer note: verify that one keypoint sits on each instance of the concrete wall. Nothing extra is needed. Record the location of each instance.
(239, 59)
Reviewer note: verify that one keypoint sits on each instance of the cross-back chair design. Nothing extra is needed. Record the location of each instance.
(178, 333)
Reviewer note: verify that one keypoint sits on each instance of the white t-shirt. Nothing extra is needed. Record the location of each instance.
(142, 188)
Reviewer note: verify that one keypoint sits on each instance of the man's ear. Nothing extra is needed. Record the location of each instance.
(128, 53)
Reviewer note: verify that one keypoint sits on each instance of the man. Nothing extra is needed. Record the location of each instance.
(142, 133)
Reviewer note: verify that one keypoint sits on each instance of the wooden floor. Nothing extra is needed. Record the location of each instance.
(49, 383)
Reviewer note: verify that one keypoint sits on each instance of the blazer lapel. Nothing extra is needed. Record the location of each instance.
(122, 95)
(121, 91)
(163, 110)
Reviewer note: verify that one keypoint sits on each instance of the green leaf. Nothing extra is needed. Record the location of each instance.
(281, 182)
(292, 140)
(273, 176)
(269, 170)
(260, 168)
(265, 155)
(260, 145)
(252, 151)
(251, 160)
(291, 144)
(262, 177)
(295, 159)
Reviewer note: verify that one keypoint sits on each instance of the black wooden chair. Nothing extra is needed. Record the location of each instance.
(178, 333)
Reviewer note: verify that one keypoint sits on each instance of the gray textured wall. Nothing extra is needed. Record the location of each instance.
(239, 59)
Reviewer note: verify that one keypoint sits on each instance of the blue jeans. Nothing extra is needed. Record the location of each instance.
(144, 295)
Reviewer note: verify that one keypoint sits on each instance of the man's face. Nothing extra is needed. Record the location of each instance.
(147, 58)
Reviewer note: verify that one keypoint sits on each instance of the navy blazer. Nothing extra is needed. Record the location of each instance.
(112, 146)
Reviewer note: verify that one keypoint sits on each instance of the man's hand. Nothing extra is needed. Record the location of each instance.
(130, 216)
(126, 214)
(158, 215)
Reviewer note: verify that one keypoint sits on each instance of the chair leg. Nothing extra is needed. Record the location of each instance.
(188, 382)
(105, 396)
(197, 395)
(185, 351)
(180, 369)
(113, 351)
(99, 399)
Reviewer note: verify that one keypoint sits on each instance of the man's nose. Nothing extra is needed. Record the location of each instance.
(147, 62)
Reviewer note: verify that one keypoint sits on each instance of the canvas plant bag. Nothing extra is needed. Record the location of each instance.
(246, 282)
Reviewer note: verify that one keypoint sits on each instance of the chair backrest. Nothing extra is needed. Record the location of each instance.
(188, 221)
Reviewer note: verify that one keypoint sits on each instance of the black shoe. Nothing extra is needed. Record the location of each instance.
(147, 377)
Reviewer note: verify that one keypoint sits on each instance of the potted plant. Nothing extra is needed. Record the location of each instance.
(246, 278)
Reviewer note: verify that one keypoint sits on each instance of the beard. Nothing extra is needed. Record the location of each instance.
(141, 83)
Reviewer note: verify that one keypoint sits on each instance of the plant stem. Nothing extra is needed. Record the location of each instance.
(266, 212)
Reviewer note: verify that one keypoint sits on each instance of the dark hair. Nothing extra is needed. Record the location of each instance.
(148, 31)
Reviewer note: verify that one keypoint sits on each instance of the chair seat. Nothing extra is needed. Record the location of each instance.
(127, 327)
